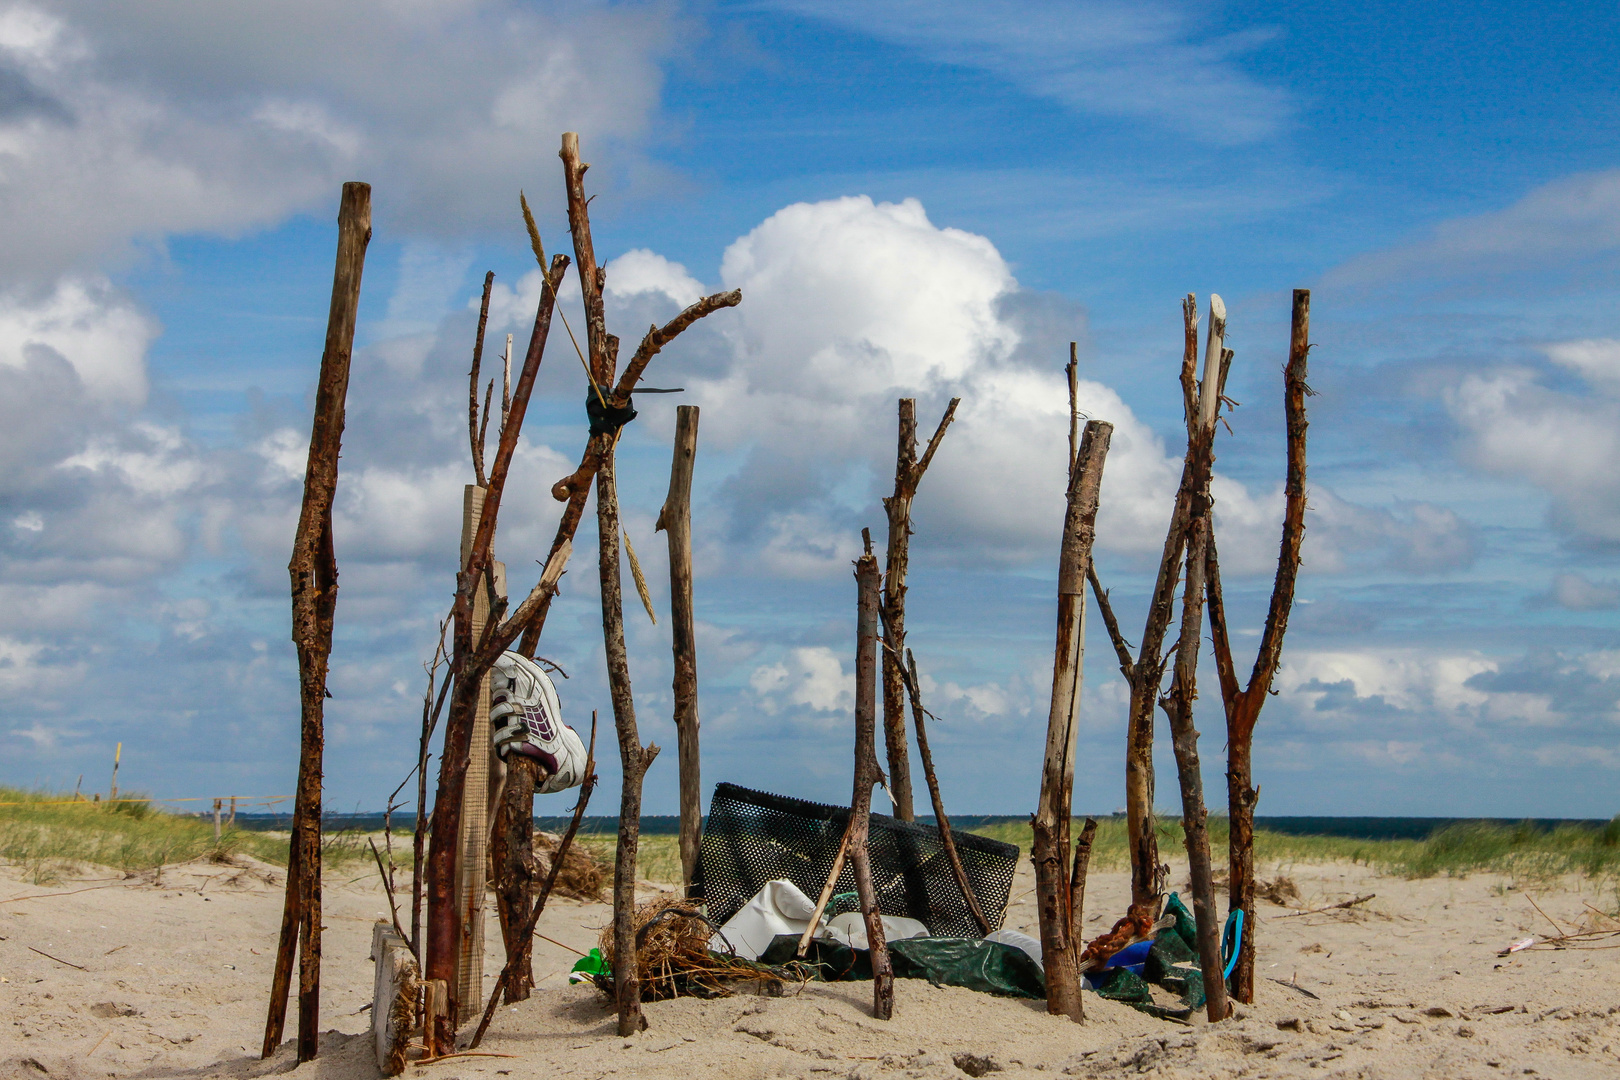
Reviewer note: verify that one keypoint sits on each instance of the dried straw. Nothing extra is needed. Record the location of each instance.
(583, 871)
(673, 957)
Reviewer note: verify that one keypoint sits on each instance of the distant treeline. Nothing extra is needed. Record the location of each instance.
(1354, 828)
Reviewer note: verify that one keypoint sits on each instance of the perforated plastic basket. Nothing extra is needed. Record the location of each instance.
(751, 837)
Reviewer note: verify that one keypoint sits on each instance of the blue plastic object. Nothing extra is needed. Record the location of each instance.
(1231, 941)
(1132, 957)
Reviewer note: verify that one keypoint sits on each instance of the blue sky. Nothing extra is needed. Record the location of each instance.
(917, 199)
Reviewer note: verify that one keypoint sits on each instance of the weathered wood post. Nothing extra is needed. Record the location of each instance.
(867, 583)
(634, 758)
(313, 570)
(1060, 949)
(676, 519)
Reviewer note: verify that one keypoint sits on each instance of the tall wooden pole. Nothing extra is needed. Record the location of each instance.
(633, 757)
(676, 520)
(1177, 704)
(313, 570)
(1060, 950)
(867, 583)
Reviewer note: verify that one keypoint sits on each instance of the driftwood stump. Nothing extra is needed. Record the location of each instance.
(517, 871)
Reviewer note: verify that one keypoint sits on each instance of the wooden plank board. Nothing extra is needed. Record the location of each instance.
(471, 850)
(393, 1002)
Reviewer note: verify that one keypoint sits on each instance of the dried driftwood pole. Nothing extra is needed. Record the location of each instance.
(676, 520)
(1243, 704)
(313, 570)
(603, 351)
(1060, 948)
(867, 583)
(1178, 702)
(634, 758)
(908, 473)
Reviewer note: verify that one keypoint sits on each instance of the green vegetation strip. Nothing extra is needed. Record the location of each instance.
(48, 838)
(1522, 852)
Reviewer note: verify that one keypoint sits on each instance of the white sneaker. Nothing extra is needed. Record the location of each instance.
(525, 717)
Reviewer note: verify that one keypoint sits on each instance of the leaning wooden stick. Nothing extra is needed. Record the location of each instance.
(313, 570)
(827, 889)
(866, 775)
(1333, 907)
(513, 960)
(914, 688)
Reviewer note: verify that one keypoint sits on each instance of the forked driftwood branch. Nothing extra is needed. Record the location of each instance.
(908, 474)
(313, 570)
(1243, 704)
(603, 349)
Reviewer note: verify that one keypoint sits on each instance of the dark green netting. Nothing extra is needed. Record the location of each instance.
(986, 966)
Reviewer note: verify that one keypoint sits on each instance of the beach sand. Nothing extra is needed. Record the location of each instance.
(168, 976)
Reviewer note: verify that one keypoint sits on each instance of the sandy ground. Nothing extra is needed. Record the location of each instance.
(169, 977)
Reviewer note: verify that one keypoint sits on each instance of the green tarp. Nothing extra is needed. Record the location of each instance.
(986, 966)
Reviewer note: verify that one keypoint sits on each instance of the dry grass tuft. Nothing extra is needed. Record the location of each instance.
(673, 957)
(584, 871)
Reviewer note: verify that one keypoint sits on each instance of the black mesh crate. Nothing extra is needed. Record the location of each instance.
(751, 837)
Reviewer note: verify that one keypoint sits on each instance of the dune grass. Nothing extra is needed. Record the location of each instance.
(658, 858)
(1523, 852)
(50, 839)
